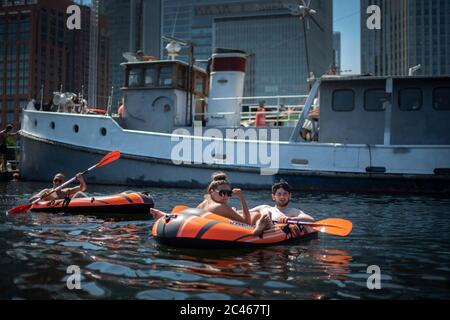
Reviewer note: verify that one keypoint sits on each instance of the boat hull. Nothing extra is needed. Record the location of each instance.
(41, 159)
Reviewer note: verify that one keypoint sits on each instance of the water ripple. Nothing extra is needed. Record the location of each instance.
(407, 237)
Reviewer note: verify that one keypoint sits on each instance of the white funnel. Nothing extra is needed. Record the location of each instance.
(227, 81)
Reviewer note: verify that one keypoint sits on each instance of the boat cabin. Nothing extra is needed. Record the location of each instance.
(385, 110)
(160, 95)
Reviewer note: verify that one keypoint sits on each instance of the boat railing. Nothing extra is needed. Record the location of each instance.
(278, 110)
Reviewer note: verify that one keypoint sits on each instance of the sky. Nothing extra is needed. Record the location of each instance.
(346, 19)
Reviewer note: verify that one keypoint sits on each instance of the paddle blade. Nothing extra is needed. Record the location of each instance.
(110, 157)
(334, 226)
(178, 209)
(20, 209)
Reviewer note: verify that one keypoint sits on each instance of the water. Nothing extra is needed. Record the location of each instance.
(407, 237)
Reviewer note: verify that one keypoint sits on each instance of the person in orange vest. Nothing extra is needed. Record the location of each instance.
(260, 119)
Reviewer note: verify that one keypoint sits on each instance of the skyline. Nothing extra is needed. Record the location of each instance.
(346, 19)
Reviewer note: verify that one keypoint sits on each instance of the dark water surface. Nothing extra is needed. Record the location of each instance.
(407, 237)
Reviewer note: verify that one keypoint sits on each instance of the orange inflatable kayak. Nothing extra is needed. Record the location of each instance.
(196, 229)
(125, 203)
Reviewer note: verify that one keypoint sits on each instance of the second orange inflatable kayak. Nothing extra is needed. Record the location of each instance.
(194, 228)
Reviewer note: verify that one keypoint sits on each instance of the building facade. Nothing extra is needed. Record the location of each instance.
(268, 32)
(413, 32)
(39, 54)
(133, 25)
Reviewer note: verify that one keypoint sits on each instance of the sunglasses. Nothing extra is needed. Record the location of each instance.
(223, 193)
(57, 180)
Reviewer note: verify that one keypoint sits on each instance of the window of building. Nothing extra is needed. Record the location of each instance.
(410, 99)
(441, 98)
(374, 99)
(343, 100)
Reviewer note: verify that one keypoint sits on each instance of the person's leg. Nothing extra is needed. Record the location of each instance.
(79, 194)
(157, 213)
(264, 223)
(255, 216)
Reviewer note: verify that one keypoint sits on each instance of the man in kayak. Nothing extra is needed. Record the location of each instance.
(71, 193)
(281, 195)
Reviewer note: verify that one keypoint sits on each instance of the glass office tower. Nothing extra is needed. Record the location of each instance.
(412, 32)
(266, 30)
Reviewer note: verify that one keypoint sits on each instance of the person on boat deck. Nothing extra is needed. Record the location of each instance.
(281, 195)
(59, 179)
(216, 201)
(4, 134)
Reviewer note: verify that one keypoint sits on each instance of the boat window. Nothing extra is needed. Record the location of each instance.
(134, 75)
(165, 76)
(199, 83)
(410, 99)
(441, 98)
(374, 99)
(343, 100)
(150, 76)
(181, 77)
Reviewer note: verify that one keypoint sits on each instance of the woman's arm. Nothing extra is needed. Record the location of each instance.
(225, 211)
(245, 212)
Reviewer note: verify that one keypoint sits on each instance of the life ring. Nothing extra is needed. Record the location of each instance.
(96, 111)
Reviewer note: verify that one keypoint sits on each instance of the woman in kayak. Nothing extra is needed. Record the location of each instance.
(216, 200)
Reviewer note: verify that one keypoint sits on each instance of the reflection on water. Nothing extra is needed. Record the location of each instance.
(408, 238)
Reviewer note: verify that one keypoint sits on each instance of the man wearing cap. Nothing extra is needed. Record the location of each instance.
(59, 179)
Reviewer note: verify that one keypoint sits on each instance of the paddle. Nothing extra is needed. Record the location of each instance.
(334, 226)
(110, 157)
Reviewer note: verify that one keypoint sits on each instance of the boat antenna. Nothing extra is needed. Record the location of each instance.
(42, 96)
(305, 13)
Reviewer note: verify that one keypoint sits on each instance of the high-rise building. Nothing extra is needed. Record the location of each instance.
(337, 51)
(133, 25)
(268, 32)
(38, 53)
(413, 32)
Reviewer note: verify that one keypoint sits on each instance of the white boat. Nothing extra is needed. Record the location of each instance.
(377, 134)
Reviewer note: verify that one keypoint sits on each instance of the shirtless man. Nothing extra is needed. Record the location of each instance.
(76, 192)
